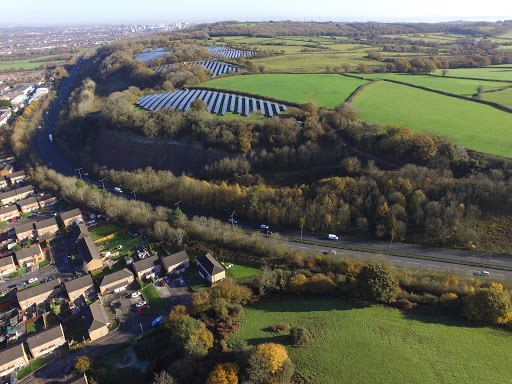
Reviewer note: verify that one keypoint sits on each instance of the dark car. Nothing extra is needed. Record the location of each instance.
(68, 369)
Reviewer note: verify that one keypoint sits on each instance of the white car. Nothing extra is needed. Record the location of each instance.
(264, 226)
(135, 294)
(32, 280)
(140, 304)
(118, 190)
(481, 273)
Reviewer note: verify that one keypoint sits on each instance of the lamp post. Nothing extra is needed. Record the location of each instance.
(134, 195)
(102, 183)
(232, 221)
(79, 172)
(302, 221)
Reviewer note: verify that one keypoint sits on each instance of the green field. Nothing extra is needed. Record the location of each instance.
(497, 72)
(238, 271)
(324, 90)
(356, 344)
(155, 302)
(474, 125)
(458, 86)
(26, 64)
(503, 97)
(104, 230)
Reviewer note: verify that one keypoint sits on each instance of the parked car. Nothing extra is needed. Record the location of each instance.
(481, 273)
(32, 280)
(135, 294)
(142, 308)
(66, 260)
(21, 284)
(163, 283)
(264, 226)
(140, 304)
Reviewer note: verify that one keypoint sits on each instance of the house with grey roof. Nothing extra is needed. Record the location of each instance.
(46, 341)
(147, 268)
(177, 262)
(210, 269)
(38, 294)
(116, 282)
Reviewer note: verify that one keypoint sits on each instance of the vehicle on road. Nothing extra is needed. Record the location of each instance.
(140, 304)
(157, 321)
(267, 232)
(50, 136)
(329, 252)
(264, 226)
(232, 221)
(481, 273)
(118, 190)
(135, 294)
(332, 237)
(32, 280)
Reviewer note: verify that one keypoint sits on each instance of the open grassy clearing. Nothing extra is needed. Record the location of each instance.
(26, 64)
(155, 302)
(507, 35)
(381, 345)
(496, 72)
(474, 125)
(458, 86)
(503, 97)
(104, 230)
(238, 271)
(325, 90)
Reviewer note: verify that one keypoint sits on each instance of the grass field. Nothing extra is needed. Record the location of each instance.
(458, 86)
(503, 97)
(325, 90)
(25, 64)
(474, 125)
(355, 344)
(238, 271)
(155, 302)
(104, 230)
(496, 72)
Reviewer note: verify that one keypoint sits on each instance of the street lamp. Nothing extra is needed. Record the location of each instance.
(79, 172)
(102, 183)
(302, 221)
(177, 204)
(134, 195)
(232, 221)
(141, 330)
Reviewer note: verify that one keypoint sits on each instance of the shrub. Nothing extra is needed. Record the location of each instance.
(300, 336)
(279, 327)
(404, 305)
(81, 364)
(489, 305)
(377, 283)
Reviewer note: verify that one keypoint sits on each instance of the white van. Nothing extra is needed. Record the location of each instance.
(332, 237)
(118, 190)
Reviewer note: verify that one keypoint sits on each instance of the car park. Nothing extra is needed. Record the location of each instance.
(140, 304)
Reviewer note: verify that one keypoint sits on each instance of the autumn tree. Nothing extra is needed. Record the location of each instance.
(491, 305)
(224, 374)
(377, 283)
(164, 377)
(269, 363)
(81, 364)
(189, 334)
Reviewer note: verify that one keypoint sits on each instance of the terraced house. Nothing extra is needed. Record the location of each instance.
(28, 205)
(90, 254)
(46, 200)
(46, 341)
(96, 321)
(46, 228)
(177, 262)
(7, 265)
(17, 177)
(147, 268)
(12, 359)
(116, 282)
(8, 213)
(83, 287)
(10, 197)
(3, 182)
(32, 255)
(70, 217)
(25, 231)
(38, 295)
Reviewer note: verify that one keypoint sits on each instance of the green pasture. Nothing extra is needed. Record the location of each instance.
(496, 72)
(370, 344)
(457, 86)
(502, 97)
(26, 64)
(324, 90)
(474, 125)
(507, 35)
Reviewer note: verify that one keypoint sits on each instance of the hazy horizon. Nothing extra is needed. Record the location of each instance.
(95, 12)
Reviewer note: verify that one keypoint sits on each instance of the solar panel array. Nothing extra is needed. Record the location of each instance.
(216, 67)
(153, 50)
(230, 53)
(152, 55)
(217, 102)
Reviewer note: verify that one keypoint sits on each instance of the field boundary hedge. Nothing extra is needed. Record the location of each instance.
(470, 78)
(249, 94)
(359, 89)
(489, 103)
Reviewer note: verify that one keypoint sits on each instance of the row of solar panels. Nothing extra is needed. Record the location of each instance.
(216, 67)
(217, 102)
(153, 50)
(230, 53)
(151, 55)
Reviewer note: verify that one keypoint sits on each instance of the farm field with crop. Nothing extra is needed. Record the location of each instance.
(324, 90)
(497, 72)
(380, 345)
(483, 128)
(502, 97)
(457, 86)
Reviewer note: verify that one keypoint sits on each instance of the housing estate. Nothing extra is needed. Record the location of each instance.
(37, 295)
(8, 213)
(46, 228)
(7, 265)
(3, 182)
(16, 177)
(10, 197)
(28, 205)
(177, 262)
(46, 341)
(96, 320)
(46, 200)
(24, 231)
(210, 269)
(90, 254)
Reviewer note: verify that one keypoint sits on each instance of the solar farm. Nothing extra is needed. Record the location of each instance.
(216, 67)
(217, 102)
(147, 56)
(230, 53)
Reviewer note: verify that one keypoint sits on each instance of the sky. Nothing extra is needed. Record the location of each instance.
(71, 12)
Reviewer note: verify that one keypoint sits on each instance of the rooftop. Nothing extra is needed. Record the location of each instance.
(70, 214)
(8, 209)
(115, 277)
(46, 223)
(29, 201)
(28, 293)
(5, 261)
(95, 317)
(80, 283)
(10, 354)
(44, 337)
(24, 227)
(144, 264)
(88, 249)
(174, 259)
(34, 249)
(209, 264)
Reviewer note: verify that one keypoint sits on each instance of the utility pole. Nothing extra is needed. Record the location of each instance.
(102, 183)
(232, 221)
(302, 221)
(134, 195)
(177, 204)
(79, 172)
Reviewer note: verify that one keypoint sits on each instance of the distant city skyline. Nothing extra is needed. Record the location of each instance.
(115, 12)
